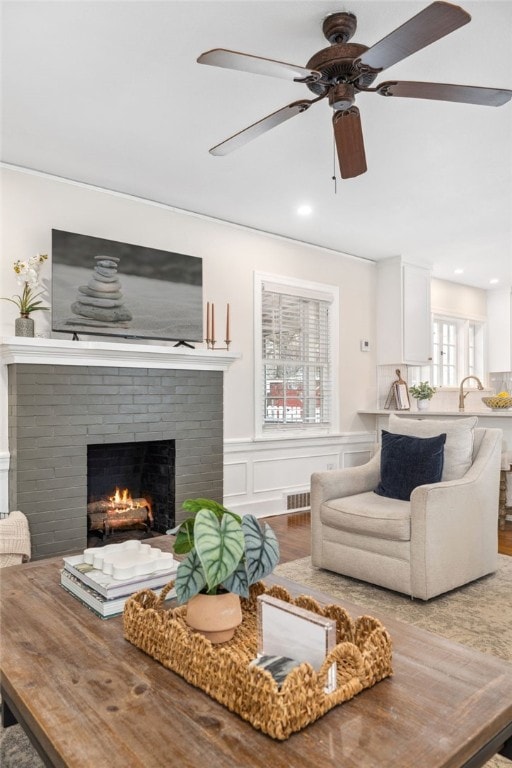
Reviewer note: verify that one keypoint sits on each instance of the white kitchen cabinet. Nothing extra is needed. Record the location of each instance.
(404, 326)
(499, 329)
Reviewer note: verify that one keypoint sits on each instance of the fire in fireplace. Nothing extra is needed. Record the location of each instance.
(119, 512)
(130, 490)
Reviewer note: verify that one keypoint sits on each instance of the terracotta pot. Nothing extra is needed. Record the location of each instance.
(215, 616)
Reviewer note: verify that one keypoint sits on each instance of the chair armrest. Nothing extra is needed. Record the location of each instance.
(454, 525)
(336, 483)
(481, 482)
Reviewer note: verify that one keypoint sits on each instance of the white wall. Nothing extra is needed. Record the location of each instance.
(457, 299)
(33, 204)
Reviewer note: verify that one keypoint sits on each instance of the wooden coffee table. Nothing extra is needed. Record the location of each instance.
(88, 698)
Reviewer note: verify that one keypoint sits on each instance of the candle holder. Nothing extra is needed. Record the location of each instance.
(210, 344)
(210, 328)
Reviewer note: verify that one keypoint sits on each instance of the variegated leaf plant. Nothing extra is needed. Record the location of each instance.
(224, 552)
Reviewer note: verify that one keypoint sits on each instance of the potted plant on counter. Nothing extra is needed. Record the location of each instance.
(225, 554)
(423, 393)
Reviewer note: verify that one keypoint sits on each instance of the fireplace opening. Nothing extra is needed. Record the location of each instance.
(130, 490)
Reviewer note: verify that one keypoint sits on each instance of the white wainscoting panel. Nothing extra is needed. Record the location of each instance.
(278, 467)
(235, 478)
(356, 458)
(279, 473)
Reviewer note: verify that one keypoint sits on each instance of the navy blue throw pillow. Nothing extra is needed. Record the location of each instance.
(407, 462)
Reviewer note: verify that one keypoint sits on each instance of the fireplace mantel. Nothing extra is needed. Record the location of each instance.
(64, 352)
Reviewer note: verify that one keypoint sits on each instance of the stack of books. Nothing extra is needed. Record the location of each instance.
(104, 594)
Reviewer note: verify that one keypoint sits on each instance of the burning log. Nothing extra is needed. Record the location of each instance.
(119, 512)
(106, 505)
(127, 518)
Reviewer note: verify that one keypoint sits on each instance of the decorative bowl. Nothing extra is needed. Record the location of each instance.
(498, 403)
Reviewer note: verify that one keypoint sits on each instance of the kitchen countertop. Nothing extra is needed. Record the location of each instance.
(498, 414)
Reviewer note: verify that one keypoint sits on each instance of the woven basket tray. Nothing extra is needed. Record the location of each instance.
(362, 654)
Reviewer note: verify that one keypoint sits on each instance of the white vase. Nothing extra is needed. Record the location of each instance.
(423, 405)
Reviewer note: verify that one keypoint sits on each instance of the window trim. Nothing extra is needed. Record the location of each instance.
(459, 343)
(462, 323)
(314, 290)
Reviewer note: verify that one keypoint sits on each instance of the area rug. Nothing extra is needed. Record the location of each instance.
(478, 615)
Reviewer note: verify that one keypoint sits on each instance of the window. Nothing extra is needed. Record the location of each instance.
(295, 354)
(444, 353)
(457, 351)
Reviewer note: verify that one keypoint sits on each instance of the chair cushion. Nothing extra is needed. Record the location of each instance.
(458, 449)
(406, 462)
(369, 515)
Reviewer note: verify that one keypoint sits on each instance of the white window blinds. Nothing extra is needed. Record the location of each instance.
(295, 357)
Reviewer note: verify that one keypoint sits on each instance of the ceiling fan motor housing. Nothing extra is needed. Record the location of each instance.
(336, 64)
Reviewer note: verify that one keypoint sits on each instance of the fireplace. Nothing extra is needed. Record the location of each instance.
(66, 398)
(130, 490)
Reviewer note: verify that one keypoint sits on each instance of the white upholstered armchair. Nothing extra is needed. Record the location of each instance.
(443, 537)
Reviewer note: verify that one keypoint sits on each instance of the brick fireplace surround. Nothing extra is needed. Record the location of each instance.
(65, 395)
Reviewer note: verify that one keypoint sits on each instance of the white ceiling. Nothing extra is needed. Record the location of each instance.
(109, 93)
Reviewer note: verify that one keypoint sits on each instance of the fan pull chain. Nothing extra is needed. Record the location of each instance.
(333, 177)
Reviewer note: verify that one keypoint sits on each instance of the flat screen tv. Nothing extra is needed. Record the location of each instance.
(109, 288)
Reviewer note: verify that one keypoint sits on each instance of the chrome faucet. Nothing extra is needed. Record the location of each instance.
(461, 390)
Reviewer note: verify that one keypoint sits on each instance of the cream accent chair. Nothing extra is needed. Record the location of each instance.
(445, 536)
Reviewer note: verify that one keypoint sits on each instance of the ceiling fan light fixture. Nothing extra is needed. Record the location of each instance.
(341, 97)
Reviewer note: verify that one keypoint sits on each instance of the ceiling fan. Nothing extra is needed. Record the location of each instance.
(343, 70)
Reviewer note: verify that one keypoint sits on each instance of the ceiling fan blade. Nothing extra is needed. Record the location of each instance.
(265, 124)
(348, 135)
(429, 25)
(245, 62)
(467, 94)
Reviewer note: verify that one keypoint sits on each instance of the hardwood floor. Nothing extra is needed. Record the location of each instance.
(505, 539)
(293, 533)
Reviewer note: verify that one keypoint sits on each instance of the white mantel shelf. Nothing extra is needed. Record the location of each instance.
(98, 353)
